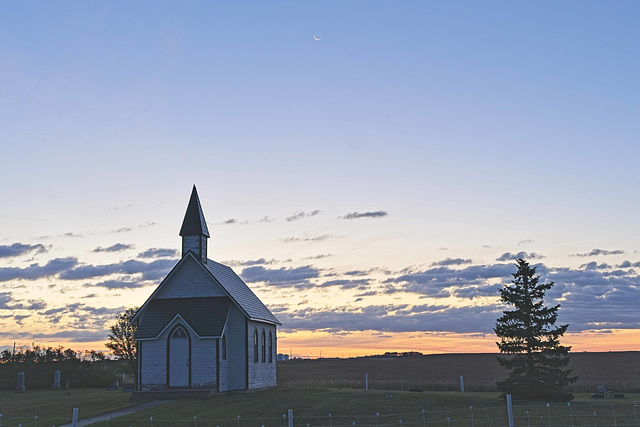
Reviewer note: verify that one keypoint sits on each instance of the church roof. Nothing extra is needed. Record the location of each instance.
(194, 223)
(207, 316)
(240, 292)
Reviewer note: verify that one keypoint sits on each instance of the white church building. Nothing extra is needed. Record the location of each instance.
(203, 327)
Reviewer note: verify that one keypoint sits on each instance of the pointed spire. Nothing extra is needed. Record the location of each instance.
(194, 223)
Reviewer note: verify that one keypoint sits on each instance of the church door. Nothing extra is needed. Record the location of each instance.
(179, 358)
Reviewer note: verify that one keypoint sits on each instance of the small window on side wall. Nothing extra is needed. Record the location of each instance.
(255, 346)
(270, 347)
(264, 347)
(224, 348)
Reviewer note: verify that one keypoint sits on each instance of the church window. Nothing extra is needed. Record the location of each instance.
(179, 333)
(224, 347)
(255, 346)
(264, 347)
(270, 347)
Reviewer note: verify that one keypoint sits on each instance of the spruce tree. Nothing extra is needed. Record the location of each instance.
(538, 365)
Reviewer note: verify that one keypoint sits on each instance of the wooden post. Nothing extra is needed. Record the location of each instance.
(74, 419)
(366, 381)
(510, 410)
(290, 417)
(461, 383)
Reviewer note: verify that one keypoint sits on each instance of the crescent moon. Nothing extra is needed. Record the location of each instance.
(316, 38)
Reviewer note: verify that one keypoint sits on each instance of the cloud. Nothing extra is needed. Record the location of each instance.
(17, 249)
(628, 264)
(508, 256)
(360, 284)
(300, 215)
(452, 261)
(266, 218)
(318, 256)
(37, 271)
(525, 241)
(7, 302)
(595, 266)
(596, 252)
(119, 284)
(308, 239)
(392, 318)
(356, 215)
(260, 261)
(285, 277)
(153, 270)
(118, 247)
(158, 253)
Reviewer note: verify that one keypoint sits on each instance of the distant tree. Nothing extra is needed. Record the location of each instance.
(538, 365)
(122, 342)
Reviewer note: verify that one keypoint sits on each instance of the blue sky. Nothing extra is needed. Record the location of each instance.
(479, 129)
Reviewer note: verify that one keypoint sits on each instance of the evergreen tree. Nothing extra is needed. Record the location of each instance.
(538, 365)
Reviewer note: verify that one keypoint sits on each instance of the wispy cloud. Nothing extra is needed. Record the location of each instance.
(158, 253)
(309, 239)
(285, 277)
(37, 271)
(374, 214)
(508, 256)
(452, 261)
(596, 252)
(17, 249)
(149, 270)
(300, 215)
(118, 247)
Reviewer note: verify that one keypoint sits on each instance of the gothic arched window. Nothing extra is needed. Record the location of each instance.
(255, 346)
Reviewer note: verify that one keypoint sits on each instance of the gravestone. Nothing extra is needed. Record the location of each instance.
(56, 380)
(20, 385)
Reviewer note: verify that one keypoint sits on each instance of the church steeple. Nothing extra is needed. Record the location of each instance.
(194, 229)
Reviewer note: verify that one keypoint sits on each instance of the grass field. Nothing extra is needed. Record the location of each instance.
(311, 389)
(313, 406)
(55, 407)
(441, 372)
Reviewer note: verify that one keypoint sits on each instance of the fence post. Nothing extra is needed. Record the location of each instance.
(366, 381)
(549, 413)
(74, 419)
(461, 383)
(510, 410)
(570, 414)
(290, 417)
(471, 409)
(615, 422)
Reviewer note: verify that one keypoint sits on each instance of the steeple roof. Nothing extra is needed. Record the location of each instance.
(194, 223)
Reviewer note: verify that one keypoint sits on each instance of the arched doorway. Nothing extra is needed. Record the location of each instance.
(178, 358)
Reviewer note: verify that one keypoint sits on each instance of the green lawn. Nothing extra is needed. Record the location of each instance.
(313, 406)
(54, 407)
(347, 406)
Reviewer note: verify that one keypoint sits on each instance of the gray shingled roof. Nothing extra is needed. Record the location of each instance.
(206, 316)
(194, 223)
(240, 292)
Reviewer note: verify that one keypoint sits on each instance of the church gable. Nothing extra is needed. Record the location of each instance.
(189, 280)
(206, 316)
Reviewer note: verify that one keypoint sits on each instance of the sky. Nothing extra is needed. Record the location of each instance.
(370, 169)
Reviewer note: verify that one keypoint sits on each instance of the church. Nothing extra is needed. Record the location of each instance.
(203, 327)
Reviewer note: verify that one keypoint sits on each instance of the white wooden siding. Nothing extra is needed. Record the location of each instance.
(190, 280)
(154, 360)
(233, 370)
(261, 374)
